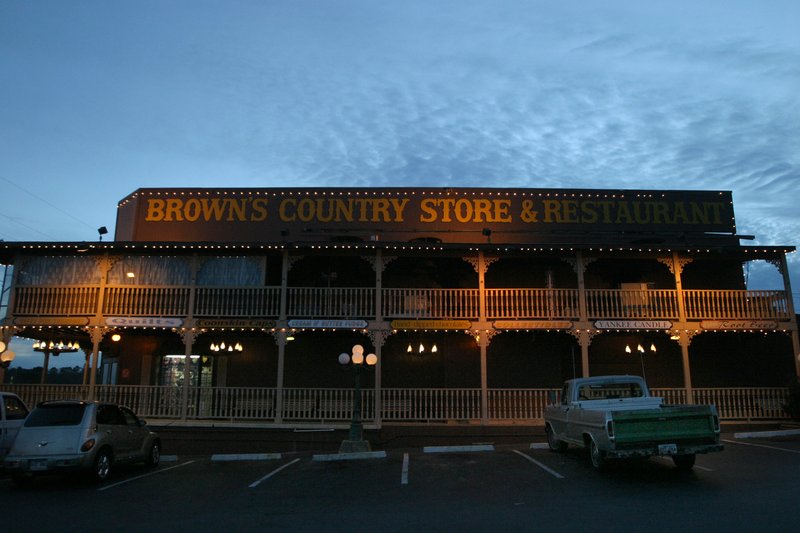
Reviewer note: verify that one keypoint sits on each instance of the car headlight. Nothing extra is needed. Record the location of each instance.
(88, 445)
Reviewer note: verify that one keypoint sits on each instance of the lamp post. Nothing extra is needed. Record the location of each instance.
(355, 441)
(640, 349)
(6, 356)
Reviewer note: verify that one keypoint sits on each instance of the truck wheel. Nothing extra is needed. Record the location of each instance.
(553, 443)
(599, 461)
(684, 461)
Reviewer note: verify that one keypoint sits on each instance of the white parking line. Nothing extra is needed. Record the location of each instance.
(404, 474)
(256, 483)
(106, 487)
(540, 465)
(760, 446)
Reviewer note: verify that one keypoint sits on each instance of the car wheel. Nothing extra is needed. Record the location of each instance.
(599, 461)
(102, 465)
(684, 461)
(155, 455)
(553, 442)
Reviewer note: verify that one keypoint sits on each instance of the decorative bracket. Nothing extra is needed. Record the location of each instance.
(670, 264)
(584, 335)
(487, 262)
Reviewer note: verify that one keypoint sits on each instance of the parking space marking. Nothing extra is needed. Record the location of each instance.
(539, 464)
(256, 483)
(760, 446)
(404, 474)
(106, 487)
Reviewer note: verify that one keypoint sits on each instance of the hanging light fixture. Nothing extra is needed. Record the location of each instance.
(627, 348)
(222, 347)
(434, 349)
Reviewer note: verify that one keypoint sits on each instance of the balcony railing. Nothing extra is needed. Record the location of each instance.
(135, 300)
(251, 302)
(532, 303)
(431, 303)
(332, 405)
(360, 302)
(334, 302)
(620, 304)
(731, 305)
(56, 301)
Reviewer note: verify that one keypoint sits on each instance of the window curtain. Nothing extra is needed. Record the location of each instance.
(58, 271)
(231, 271)
(147, 270)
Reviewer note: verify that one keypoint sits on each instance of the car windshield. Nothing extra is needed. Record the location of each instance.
(56, 415)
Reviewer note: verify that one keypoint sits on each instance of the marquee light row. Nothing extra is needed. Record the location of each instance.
(378, 192)
(504, 248)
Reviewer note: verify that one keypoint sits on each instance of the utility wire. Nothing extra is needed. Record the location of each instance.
(40, 199)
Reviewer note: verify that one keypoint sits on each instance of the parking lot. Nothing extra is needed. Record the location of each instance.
(752, 485)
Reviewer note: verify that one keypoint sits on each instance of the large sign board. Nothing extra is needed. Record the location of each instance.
(450, 215)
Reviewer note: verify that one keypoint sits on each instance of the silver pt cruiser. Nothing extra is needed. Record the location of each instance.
(73, 435)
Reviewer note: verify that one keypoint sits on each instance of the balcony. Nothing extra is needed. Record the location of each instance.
(418, 303)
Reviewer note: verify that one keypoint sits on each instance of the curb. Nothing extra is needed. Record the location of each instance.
(349, 456)
(456, 449)
(757, 434)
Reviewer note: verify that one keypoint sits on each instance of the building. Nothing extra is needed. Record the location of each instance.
(476, 302)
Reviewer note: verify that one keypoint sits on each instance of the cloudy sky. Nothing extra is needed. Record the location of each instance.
(101, 97)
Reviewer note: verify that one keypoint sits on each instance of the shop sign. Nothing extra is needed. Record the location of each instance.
(50, 321)
(431, 324)
(738, 324)
(328, 324)
(144, 321)
(454, 215)
(633, 324)
(235, 323)
(532, 324)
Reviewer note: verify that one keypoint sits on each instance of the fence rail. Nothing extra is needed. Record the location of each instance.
(359, 302)
(334, 405)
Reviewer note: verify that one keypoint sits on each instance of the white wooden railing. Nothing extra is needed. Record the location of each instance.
(728, 305)
(334, 405)
(431, 303)
(359, 302)
(237, 302)
(532, 303)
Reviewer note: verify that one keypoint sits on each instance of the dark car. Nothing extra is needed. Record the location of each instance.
(73, 435)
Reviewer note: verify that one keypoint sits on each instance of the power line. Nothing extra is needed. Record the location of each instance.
(40, 199)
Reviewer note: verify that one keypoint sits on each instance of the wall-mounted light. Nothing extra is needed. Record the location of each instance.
(116, 337)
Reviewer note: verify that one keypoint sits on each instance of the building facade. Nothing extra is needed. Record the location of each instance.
(234, 304)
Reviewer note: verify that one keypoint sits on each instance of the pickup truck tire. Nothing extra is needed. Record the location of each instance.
(684, 461)
(598, 457)
(555, 445)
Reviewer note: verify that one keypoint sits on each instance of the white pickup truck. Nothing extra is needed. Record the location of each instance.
(12, 414)
(616, 418)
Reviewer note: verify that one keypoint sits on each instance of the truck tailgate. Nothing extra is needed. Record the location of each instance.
(675, 424)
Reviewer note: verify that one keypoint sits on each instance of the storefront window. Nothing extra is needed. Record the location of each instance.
(172, 371)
